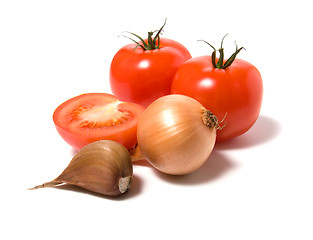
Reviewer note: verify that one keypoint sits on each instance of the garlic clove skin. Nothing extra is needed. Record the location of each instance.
(103, 167)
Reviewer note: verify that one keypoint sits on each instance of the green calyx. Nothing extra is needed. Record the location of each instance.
(220, 63)
(153, 41)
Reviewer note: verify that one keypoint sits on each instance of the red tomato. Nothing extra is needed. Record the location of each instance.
(97, 116)
(234, 93)
(142, 76)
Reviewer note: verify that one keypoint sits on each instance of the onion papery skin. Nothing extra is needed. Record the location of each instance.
(172, 136)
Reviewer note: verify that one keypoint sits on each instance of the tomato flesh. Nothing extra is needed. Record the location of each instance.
(97, 116)
(100, 116)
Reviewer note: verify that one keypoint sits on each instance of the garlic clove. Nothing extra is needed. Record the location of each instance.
(103, 167)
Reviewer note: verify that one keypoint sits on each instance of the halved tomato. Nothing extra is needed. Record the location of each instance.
(97, 116)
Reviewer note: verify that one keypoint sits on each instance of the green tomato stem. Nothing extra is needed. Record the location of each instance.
(220, 63)
(152, 41)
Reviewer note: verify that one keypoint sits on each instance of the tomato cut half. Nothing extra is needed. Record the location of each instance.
(97, 116)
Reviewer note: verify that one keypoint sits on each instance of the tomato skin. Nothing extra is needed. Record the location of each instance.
(70, 123)
(234, 93)
(143, 76)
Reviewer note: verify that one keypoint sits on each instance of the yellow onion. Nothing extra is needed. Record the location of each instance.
(176, 134)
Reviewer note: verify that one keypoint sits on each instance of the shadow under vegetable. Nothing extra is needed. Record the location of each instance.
(264, 130)
(216, 165)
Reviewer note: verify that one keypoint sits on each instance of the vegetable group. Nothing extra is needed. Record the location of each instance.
(176, 134)
(97, 116)
(143, 71)
(232, 89)
(165, 109)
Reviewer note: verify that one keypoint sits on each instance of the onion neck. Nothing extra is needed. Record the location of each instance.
(135, 154)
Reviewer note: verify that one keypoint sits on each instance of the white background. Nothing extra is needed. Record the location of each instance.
(258, 186)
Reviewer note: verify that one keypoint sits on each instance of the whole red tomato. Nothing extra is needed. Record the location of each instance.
(143, 71)
(232, 89)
